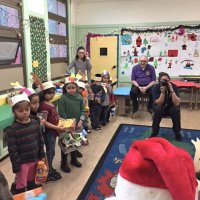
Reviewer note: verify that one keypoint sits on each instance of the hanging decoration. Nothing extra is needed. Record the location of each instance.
(38, 47)
(181, 29)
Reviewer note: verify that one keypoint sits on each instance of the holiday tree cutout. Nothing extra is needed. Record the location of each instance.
(126, 66)
(145, 42)
(155, 64)
(196, 53)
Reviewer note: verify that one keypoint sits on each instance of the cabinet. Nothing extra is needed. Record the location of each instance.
(6, 119)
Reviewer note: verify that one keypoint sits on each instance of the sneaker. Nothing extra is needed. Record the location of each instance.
(76, 163)
(52, 178)
(65, 168)
(56, 174)
(88, 131)
(178, 137)
(97, 128)
(79, 154)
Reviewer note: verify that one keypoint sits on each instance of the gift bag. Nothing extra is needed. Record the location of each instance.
(41, 172)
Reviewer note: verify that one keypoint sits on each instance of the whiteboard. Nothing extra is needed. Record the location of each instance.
(167, 51)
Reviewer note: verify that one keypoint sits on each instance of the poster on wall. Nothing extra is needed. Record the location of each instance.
(172, 50)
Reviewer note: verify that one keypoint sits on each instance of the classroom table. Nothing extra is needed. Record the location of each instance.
(184, 84)
(191, 78)
(122, 93)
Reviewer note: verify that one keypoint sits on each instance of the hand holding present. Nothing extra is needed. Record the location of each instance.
(61, 129)
(80, 124)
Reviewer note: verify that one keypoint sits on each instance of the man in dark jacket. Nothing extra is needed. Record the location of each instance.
(166, 103)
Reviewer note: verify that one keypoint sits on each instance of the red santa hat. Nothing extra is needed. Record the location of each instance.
(156, 169)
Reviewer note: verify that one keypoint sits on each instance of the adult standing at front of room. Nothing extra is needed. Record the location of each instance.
(81, 63)
(143, 78)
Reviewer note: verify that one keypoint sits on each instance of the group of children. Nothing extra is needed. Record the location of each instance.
(37, 124)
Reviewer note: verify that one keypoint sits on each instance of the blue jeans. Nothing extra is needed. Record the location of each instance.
(50, 142)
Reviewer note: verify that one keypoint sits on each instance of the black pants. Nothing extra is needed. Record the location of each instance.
(172, 111)
(135, 92)
(95, 114)
(64, 157)
(104, 114)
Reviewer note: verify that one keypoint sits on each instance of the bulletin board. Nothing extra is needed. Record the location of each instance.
(38, 47)
(175, 50)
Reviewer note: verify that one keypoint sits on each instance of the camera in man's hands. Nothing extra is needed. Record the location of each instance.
(164, 83)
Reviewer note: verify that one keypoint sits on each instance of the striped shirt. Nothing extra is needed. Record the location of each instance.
(25, 143)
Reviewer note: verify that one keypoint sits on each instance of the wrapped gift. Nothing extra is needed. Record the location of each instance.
(67, 123)
(42, 172)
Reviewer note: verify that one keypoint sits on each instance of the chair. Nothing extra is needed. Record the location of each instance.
(143, 100)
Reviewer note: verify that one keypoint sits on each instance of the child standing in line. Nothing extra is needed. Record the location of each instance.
(34, 105)
(71, 105)
(113, 102)
(83, 92)
(25, 143)
(105, 105)
(95, 102)
(52, 129)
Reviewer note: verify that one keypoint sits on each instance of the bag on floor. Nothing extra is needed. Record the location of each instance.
(41, 172)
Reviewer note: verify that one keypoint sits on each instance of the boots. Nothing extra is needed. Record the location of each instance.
(74, 160)
(79, 154)
(13, 188)
(21, 190)
(32, 185)
(64, 166)
(178, 137)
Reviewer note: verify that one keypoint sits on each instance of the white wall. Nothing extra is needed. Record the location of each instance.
(74, 12)
(97, 12)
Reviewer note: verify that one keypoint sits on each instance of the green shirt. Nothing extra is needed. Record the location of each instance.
(71, 107)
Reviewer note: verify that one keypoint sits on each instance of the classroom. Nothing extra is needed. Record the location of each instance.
(113, 83)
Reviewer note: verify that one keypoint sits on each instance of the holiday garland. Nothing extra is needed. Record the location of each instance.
(38, 47)
(157, 29)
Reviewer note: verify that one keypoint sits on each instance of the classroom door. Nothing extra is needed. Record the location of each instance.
(104, 55)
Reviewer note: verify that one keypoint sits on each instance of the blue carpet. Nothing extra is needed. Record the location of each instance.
(103, 179)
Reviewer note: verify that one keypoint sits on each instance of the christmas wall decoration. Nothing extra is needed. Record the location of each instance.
(38, 47)
(174, 50)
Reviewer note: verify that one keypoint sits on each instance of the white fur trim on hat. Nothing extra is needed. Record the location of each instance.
(81, 84)
(126, 190)
(16, 99)
(47, 85)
